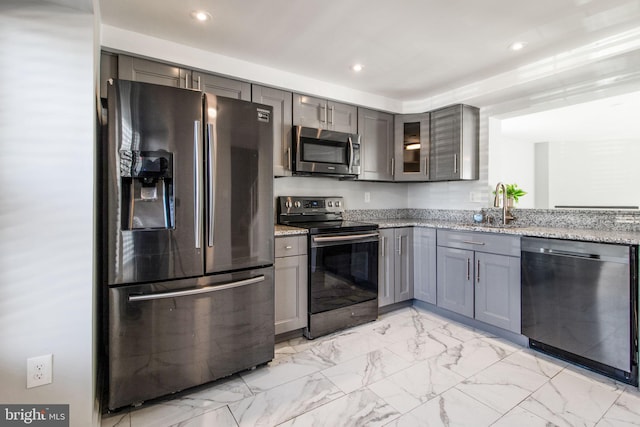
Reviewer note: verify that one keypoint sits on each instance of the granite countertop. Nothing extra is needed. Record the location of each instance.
(584, 234)
(285, 230)
(591, 235)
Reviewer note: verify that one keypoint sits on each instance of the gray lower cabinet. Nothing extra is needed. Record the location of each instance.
(290, 283)
(454, 144)
(395, 265)
(424, 264)
(497, 296)
(144, 70)
(478, 276)
(320, 113)
(280, 100)
(376, 145)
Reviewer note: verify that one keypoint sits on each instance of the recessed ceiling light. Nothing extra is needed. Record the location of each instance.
(200, 15)
(517, 46)
(357, 68)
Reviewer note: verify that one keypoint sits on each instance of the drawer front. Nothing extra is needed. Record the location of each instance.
(291, 246)
(481, 242)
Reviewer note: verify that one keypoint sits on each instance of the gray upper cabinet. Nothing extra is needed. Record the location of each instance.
(280, 100)
(453, 154)
(108, 70)
(220, 86)
(144, 70)
(376, 145)
(319, 113)
(395, 266)
(478, 275)
(411, 160)
(424, 264)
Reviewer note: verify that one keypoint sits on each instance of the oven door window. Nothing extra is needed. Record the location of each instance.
(342, 275)
(321, 151)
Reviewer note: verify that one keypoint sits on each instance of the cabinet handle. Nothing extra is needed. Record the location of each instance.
(186, 80)
(478, 272)
(426, 165)
(455, 163)
(199, 88)
(288, 247)
(471, 242)
(324, 114)
(331, 117)
(468, 269)
(289, 158)
(393, 166)
(399, 239)
(383, 246)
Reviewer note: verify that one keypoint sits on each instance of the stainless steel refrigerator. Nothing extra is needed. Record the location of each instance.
(188, 239)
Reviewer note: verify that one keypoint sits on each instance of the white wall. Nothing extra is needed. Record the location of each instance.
(47, 110)
(594, 173)
(382, 195)
(512, 162)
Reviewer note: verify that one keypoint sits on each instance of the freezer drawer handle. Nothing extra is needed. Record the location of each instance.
(205, 290)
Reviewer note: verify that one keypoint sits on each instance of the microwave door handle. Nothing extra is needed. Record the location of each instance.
(350, 154)
(211, 179)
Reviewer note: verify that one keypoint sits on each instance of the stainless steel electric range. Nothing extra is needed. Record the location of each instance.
(343, 263)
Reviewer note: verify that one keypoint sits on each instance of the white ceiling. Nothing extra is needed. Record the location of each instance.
(411, 49)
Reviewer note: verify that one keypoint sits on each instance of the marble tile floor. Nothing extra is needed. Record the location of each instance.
(409, 368)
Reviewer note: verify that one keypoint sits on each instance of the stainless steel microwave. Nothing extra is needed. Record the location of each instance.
(325, 152)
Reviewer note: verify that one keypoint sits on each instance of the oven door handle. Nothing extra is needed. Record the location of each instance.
(343, 238)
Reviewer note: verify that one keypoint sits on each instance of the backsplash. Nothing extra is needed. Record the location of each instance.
(614, 220)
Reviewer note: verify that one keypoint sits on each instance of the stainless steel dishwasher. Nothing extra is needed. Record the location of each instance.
(580, 303)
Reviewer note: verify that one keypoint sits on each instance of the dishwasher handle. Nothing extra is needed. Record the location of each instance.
(569, 253)
(588, 251)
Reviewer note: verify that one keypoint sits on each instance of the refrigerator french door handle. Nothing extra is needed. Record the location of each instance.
(212, 182)
(205, 290)
(197, 214)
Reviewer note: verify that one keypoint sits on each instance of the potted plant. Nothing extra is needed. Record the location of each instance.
(513, 194)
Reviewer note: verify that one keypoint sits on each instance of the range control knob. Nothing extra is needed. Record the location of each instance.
(337, 203)
(287, 204)
(297, 204)
(330, 204)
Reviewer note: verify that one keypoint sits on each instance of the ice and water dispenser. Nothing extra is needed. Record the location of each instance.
(147, 190)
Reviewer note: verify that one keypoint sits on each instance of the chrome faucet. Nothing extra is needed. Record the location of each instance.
(506, 215)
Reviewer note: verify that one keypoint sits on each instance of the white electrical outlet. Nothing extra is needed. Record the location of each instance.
(39, 370)
(367, 197)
